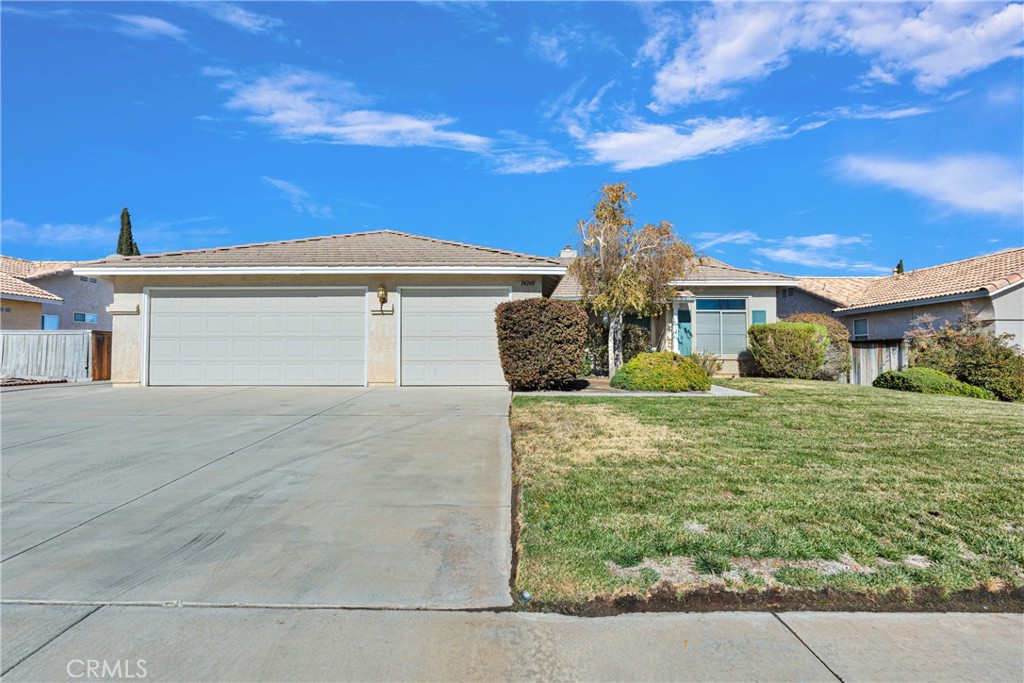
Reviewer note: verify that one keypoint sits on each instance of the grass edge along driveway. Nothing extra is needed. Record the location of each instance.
(812, 485)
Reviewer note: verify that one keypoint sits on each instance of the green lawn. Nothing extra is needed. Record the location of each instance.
(811, 485)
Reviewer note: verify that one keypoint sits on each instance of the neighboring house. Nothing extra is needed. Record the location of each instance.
(714, 306)
(886, 308)
(75, 302)
(21, 303)
(309, 311)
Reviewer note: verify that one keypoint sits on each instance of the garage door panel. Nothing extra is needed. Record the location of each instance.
(257, 337)
(448, 336)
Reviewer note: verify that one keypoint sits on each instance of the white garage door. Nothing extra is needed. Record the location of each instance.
(300, 336)
(449, 336)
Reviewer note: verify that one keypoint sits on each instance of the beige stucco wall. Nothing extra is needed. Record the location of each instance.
(79, 297)
(802, 302)
(895, 323)
(1008, 313)
(126, 362)
(24, 315)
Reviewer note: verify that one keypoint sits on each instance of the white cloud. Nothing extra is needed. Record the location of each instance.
(643, 145)
(827, 250)
(729, 44)
(878, 113)
(242, 19)
(216, 71)
(299, 198)
(548, 47)
(307, 106)
(711, 239)
(142, 26)
(969, 182)
(514, 163)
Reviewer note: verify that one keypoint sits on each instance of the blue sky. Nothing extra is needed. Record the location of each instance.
(797, 138)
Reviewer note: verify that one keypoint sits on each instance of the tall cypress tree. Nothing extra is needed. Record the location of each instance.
(126, 245)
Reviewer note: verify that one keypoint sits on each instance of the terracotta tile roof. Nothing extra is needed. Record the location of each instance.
(988, 273)
(842, 291)
(386, 248)
(33, 270)
(708, 272)
(13, 286)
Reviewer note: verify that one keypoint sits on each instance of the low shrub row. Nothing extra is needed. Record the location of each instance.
(929, 381)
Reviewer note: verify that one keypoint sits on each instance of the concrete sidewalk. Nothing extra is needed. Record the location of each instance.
(50, 642)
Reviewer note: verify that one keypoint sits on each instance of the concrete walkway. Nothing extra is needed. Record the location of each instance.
(49, 643)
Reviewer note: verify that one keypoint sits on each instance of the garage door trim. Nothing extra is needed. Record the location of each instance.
(147, 291)
(398, 316)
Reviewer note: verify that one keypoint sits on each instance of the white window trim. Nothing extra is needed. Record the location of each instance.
(144, 312)
(867, 329)
(398, 316)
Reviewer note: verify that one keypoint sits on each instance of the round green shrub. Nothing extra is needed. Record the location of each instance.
(794, 350)
(838, 356)
(661, 371)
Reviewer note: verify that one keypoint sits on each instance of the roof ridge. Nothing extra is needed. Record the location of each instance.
(953, 263)
(742, 270)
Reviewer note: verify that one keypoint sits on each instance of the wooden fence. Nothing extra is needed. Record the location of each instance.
(74, 355)
(872, 358)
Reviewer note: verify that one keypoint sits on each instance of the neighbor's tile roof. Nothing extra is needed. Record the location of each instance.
(378, 248)
(33, 270)
(840, 290)
(988, 273)
(708, 271)
(13, 286)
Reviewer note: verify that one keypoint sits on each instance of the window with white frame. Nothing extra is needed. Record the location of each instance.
(721, 326)
(860, 328)
(51, 322)
(91, 318)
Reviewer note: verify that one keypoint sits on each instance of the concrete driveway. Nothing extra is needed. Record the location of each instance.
(342, 497)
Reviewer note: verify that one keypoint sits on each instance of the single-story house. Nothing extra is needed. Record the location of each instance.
(715, 303)
(21, 303)
(371, 308)
(887, 308)
(68, 302)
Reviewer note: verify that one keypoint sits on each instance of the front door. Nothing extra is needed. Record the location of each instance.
(684, 332)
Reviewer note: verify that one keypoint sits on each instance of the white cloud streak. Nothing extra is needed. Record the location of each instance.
(241, 19)
(141, 26)
(643, 144)
(307, 106)
(729, 44)
(970, 182)
(299, 198)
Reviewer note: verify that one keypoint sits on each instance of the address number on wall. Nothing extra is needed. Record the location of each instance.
(528, 283)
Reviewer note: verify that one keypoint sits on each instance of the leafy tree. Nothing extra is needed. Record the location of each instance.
(126, 245)
(622, 269)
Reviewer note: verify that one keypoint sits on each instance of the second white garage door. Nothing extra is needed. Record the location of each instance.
(248, 336)
(448, 336)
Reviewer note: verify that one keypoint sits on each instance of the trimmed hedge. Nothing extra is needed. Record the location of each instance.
(928, 381)
(794, 350)
(838, 357)
(540, 342)
(661, 371)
